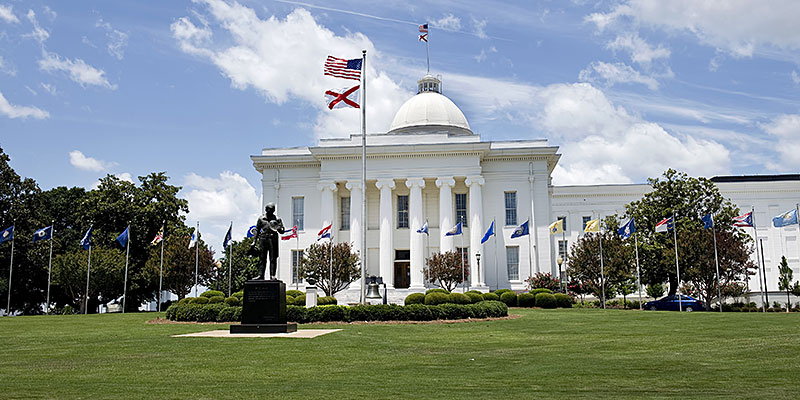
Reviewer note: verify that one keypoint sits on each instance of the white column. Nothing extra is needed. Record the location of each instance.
(386, 226)
(445, 185)
(355, 224)
(417, 240)
(326, 204)
(475, 228)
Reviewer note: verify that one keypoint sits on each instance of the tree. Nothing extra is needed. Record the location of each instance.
(446, 269)
(317, 269)
(736, 290)
(654, 290)
(625, 288)
(179, 264)
(244, 266)
(106, 277)
(542, 280)
(785, 280)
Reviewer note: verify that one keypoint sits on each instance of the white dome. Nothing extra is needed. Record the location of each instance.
(429, 109)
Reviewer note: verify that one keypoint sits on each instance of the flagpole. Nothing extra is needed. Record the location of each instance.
(363, 176)
(602, 271)
(677, 266)
(427, 51)
(296, 268)
(197, 256)
(764, 267)
(127, 254)
(161, 266)
(10, 270)
(88, 271)
(755, 239)
(50, 264)
(716, 261)
(230, 260)
(530, 252)
(330, 262)
(564, 259)
(496, 267)
(638, 273)
(461, 250)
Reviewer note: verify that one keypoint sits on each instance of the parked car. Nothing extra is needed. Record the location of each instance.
(670, 303)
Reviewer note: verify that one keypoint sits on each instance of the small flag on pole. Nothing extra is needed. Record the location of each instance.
(592, 226)
(454, 231)
(744, 221)
(424, 228)
(324, 233)
(86, 242)
(785, 219)
(423, 29)
(341, 98)
(489, 233)
(521, 230)
(666, 225)
(625, 231)
(342, 68)
(227, 236)
(193, 240)
(251, 232)
(556, 227)
(159, 237)
(708, 221)
(123, 237)
(43, 234)
(7, 234)
(291, 234)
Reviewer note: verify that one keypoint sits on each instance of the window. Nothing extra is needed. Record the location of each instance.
(461, 209)
(563, 224)
(402, 211)
(512, 262)
(585, 220)
(297, 212)
(297, 255)
(562, 249)
(344, 207)
(511, 208)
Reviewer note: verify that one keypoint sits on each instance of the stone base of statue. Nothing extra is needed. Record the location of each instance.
(264, 308)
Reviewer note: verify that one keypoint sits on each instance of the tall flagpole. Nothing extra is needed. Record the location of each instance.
(50, 264)
(127, 253)
(461, 250)
(10, 270)
(764, 267)
(230, 260)
(363, 176)
(638, 274)
(496, 267)
(161, 267)
(196, 256)
(677, 266)
(88, 271)
(530, 250)
(563, 259)
(602, 271)
(755, 241)
(296, 267)
(716, 261)
(427, 51)
(330, 261)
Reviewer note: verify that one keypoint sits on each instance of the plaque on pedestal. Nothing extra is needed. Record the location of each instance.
(264, 308)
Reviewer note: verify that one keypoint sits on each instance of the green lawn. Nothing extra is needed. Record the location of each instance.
(545, 353)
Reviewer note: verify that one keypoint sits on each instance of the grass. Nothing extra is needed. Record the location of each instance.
(546, 353)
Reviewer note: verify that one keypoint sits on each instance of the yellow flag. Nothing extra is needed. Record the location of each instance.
(557, 227)
(592, 226)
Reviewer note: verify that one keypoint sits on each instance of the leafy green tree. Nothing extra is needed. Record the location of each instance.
(626, 288)
(244, 266)
(179, 263)
(654, 290)
(106, 279)
(316, 267)
(446, 269)
(785, 280)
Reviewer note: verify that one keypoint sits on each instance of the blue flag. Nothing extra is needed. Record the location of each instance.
(227, 237)
(627, 230)
(43, 234)
(521, 230)
(708, 221)
(7, 234)
(424, 228)
(785, 219)
(86, 242)
(456, 230)
(251, 232)
(488, 234)
(123, 237)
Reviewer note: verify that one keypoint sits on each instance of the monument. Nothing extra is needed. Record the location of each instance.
(264, 301)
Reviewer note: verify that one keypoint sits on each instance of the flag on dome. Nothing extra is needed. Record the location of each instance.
(592, 226)
(489, 233)
(521, 230)
(43, 234)
(423, 29)
(341, 98)
(324, 233)
(744, 221)
(291, 234)
(557, 227)
(7, 234)
(456, 230)
(708, 221)
(159, 237)
(251, 232)
(86, 242)
(342, 68)
(424, 228)
(785, 219)
(625, 231)
(666, 225)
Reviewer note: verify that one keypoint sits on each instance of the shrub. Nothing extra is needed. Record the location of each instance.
(200, 300)
(170, 313)
(300, 300)
(239, 294)
(296, 314)
(294, 293)
(564, 301)
(545, 300)
(540, 290)
(418, 312)
(230, 314)
(437, 290)
(212, 293)
(510, 298)
(233, 301)
(325, 313)
(185, 300)
(474, 297)
(474, 291)
(289, 300)
(458, 298)
(499, 292)
(434, 298)
(216, 299)
(543, 280)
(526, 300)
(491, 296)
(415, 298)
(209, 312)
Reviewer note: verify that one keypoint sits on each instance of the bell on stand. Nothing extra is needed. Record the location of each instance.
(373, 294)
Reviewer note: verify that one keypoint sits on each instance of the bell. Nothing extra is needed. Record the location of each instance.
(372, 291)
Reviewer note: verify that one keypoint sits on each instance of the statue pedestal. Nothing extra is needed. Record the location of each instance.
(264, 308)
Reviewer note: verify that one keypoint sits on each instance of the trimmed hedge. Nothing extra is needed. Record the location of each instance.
(289, 300)
(546, 300)
(474, 297)
(499, 292)
(294, 293)
(434, 298)
(216, 299)
(491, 296)
(212, 293)
(233, 301)
(526, 300)
(437, 290)
(458, 298)
(415, 298)
(474, 291)
(199, 300)
(300, 300)
(510, 298)
(540, 290)
(326, 300)
(565, 301)
(239, 294)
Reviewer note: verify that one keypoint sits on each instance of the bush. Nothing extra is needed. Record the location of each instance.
(564, 301)
(437, 290)
(233, 301)
(491, 297)
(458, 298)
(474, 297)
(212, 293)
(230, 314)
(239, 294)
(540, 290)
(296, 314)
(300, 300)
(327, 300)
(216, 299)
(418, 312)
(185, 300)
(546, 300)
(294, 293)
(200, 300)
(415, 298)
(289, 300)
(526, 300)
(499, 292)
(325, 313)
(510, 298)
(434, 298)
(474, 291)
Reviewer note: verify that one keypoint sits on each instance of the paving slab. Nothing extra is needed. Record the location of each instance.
(225, 333)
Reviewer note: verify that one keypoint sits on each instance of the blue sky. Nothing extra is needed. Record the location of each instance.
(626, 88)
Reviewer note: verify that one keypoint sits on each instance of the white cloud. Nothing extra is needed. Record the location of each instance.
(50, 13)
(48, 88)
(81, 161)
(38, 33)
(12, 111)
(449, 21)
(738, 27)
(7, 14)
(77, 69)
(611, 74)
(786, 129)
(641, 52)
(795, 77)
(480, 28)
(7, 68)
(215, 202)
(283, 58)
(117, 40)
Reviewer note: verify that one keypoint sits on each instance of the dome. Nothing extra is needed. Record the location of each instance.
(429, 108)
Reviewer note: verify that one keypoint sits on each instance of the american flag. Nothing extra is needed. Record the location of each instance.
(341, 68)
(423, 29)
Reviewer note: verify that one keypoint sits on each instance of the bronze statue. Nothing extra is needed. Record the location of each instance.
(265, 243)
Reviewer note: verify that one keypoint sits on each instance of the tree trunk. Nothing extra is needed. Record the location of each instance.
(673, 286)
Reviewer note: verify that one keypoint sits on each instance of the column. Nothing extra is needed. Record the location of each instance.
(326, 204)
(386, 228)
(355, 224)
(417, 240)
(445, 185)
(475, 228)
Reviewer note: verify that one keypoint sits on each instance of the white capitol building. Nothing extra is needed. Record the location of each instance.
(431, 167)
